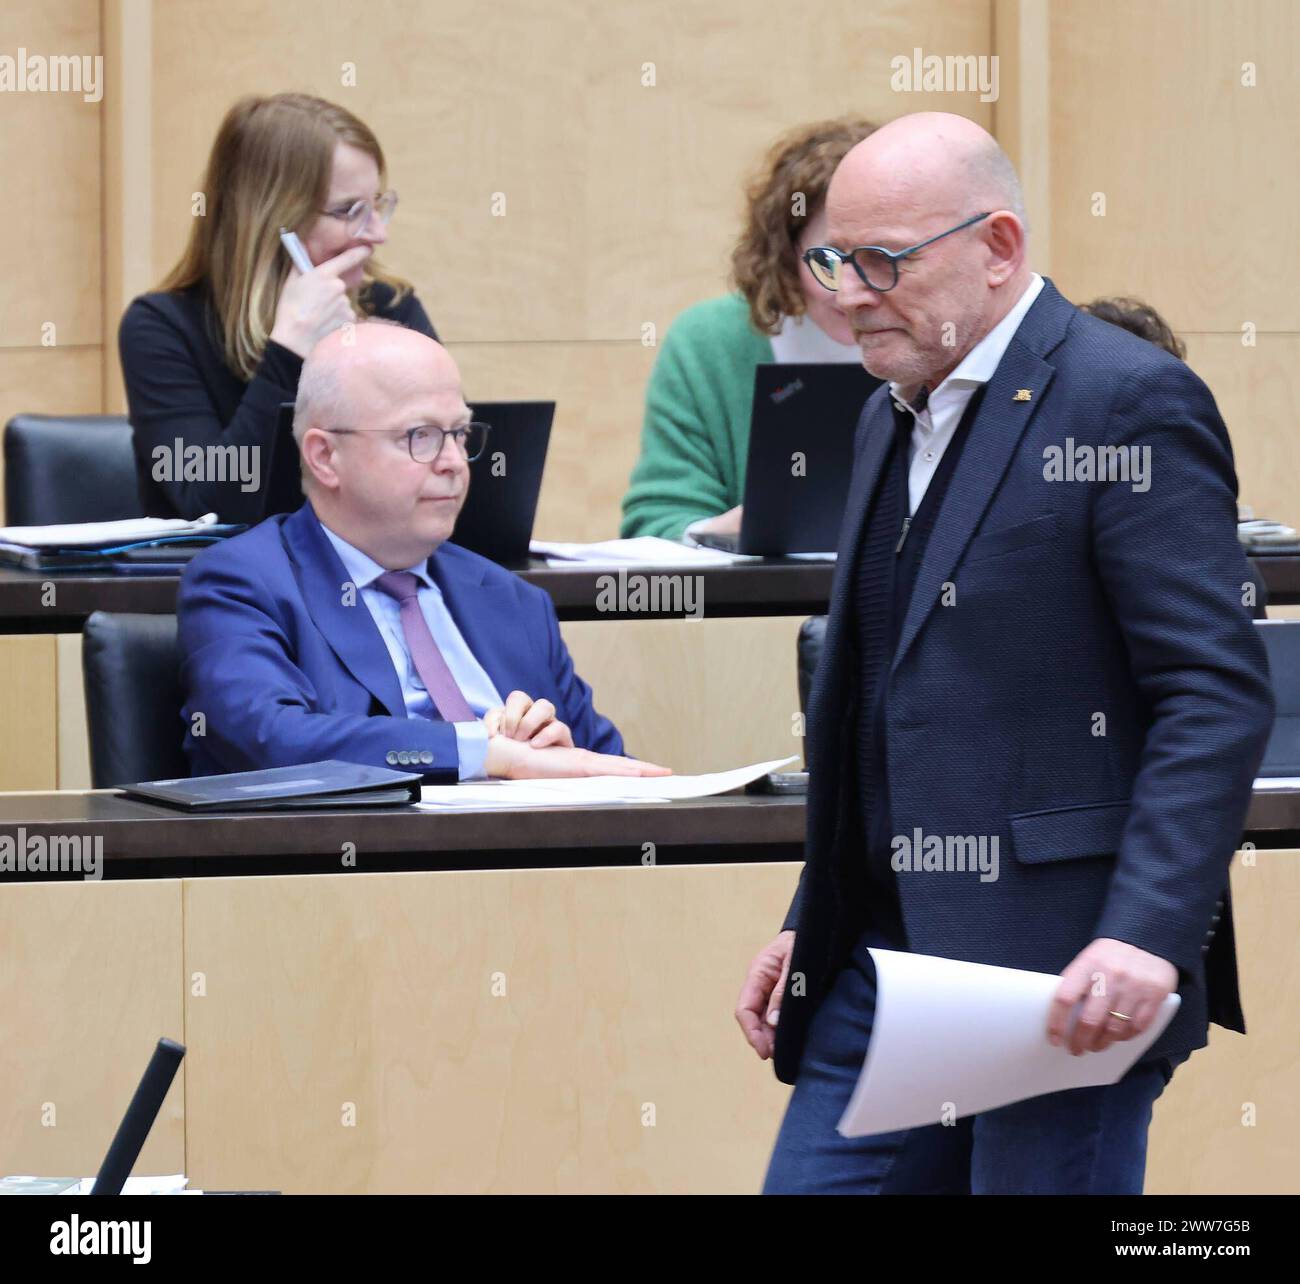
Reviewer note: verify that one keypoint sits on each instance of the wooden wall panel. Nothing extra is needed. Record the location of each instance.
(621, 200)
(1201, 183)
(1259, 397)
(695, 695)
(73, 737)
(28, 713)
(50, 252)
(1228, 1123)
(92, 981)
(49, 152)
(611, 1061)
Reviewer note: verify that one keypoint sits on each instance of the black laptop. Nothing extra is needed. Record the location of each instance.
(800, 457)
(505, 480)
(1282, 642)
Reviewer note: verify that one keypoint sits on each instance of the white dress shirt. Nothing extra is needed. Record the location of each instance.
(478, 689)
(934, 425)
(800, 340)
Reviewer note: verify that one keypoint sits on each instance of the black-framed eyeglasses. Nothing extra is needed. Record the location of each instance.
(357, 215)
(877, 267)
(425, 441)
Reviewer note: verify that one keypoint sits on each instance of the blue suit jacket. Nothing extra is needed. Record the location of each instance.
(284, 672)
(1038, 605)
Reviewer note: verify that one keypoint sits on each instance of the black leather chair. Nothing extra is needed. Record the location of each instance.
(69, 468)
(131, 667)
(812, 636)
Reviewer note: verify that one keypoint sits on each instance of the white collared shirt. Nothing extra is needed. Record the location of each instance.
(475, 684)
(800, 341)
(934, 426)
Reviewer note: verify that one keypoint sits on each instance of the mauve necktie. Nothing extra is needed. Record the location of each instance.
(447, 697)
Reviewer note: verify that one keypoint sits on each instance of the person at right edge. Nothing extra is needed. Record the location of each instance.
(1066, 665)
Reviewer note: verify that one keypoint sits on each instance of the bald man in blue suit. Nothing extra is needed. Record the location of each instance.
(352, 630)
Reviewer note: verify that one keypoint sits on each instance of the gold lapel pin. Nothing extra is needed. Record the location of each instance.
(1022, 394)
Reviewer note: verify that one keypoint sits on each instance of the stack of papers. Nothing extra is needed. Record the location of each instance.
(132, 530)
(582, 791)
(172, 1185)
(645, 551)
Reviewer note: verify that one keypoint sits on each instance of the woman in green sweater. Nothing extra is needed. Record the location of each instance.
(695, 438)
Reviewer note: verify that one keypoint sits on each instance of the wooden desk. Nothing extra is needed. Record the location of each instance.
(680, 689)
(140, 840)
(772, 587)
(775, 587)
(445, 1023)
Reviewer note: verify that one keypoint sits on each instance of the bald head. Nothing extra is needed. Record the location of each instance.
(374, 402)
(939, 188)
(931, 161)
(352, 367)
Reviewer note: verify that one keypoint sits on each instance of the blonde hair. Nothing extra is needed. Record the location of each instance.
(270, 168)
(765, 262)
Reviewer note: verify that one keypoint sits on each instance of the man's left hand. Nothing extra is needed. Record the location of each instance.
(1109, 976)
(529, 720)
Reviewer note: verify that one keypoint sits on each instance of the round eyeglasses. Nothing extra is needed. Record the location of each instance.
(877, 267)
(357, 215)
(425, 441)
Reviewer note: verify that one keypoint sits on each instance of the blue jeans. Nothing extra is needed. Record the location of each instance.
(1085, 1141)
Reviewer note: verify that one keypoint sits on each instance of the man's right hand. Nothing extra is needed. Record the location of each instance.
(314, 304)
(509, 759)
(761, 995)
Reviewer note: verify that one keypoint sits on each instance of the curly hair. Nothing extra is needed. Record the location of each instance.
(764, 265)
(1140, 319)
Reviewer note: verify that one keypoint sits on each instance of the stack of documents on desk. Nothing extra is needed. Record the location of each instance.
(582, 791)
(92, 544)
(642, 553)
(170, 1185)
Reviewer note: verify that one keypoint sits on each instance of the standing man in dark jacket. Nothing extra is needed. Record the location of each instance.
(1038, 640)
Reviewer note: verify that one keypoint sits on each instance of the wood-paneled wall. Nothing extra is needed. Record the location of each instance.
(621, 197)
(1152, 113)
(51, 342)
(542, 1030)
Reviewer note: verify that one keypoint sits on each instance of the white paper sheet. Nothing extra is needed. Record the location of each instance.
(580, 791)
(171, 1185)
(642, 553)
(130, 530)
(1276, 784)
(952, 1039)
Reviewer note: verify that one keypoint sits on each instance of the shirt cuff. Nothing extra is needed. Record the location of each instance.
(688, 535)
(472, 747)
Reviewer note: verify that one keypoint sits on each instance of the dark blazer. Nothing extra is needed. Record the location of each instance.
(1064, 600)
(179, 386)
(284, 672)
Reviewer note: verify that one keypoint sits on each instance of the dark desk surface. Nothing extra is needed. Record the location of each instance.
(145, 841)
(757, 588)
(140, 840)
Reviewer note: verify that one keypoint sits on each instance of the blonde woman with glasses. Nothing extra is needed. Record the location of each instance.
(212, 354)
